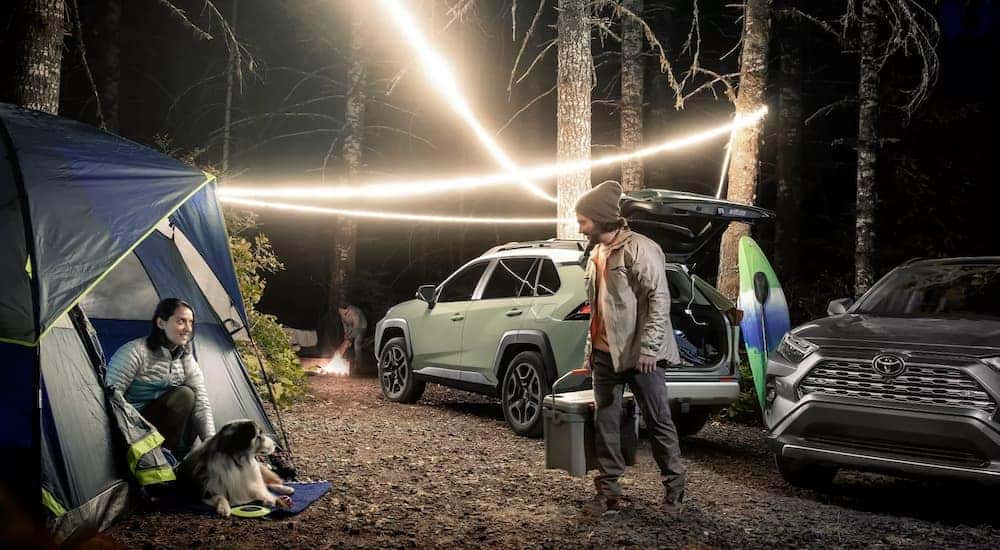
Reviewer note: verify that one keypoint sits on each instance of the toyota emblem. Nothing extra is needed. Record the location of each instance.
(888, 366)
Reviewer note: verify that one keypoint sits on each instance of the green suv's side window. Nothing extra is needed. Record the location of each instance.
(510, 278)
(462, 285)
(548, 279)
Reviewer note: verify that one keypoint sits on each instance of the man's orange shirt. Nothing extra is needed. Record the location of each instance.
(598, 332)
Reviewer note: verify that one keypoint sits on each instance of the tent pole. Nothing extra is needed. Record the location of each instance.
(270, 390)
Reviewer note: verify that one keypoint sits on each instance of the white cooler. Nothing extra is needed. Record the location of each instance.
(568, 420)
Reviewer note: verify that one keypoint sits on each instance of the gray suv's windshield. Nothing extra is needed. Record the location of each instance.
(964, 290)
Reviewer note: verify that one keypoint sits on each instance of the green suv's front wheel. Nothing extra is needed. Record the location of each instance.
(396, 375)
(521, 392)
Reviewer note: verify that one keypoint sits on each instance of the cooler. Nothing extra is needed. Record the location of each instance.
(568, 421)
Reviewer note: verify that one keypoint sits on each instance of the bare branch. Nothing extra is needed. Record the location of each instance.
(406, 133)
(665, 66)
(78, 34)
(524, 43)
(725, 79)
(603, 25)
(331, 151)
(825, 110)
(525, 108)
(183, 18)
(799, 16)
(263, 142)
(552, 43)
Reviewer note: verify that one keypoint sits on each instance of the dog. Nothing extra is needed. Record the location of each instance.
(224, 471)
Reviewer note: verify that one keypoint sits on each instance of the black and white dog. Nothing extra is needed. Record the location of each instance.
(224, 471)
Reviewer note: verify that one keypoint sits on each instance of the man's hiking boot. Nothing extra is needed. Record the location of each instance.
(601, 505)
(672, 501)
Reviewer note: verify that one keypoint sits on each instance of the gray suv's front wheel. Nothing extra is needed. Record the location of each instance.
(521, 392)
(396, 375)
(804, 475)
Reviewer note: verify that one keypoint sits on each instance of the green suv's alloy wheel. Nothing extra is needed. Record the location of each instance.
(394, 371)
(395, 375)
(523, 387)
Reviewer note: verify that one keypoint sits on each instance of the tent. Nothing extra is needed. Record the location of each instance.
(98, 229)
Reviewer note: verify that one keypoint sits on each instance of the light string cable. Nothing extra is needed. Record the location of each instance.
(410, 188)
(441, 78)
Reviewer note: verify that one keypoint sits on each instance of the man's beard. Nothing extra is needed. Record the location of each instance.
(594, 237)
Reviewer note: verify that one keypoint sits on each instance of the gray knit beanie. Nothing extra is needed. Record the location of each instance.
(600, 204)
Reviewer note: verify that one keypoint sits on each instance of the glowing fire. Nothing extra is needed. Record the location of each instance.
(337, 366)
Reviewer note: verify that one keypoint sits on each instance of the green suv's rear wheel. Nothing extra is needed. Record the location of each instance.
(523, 387)
(396, 376)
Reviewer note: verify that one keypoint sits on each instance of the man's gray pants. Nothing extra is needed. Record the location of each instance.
(651, 393)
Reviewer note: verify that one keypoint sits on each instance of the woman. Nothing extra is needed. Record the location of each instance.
(159, 376)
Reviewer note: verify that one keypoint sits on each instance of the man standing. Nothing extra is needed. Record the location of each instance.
(355, 323)
(630, 332)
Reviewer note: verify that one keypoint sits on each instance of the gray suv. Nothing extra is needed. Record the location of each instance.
(906, 381)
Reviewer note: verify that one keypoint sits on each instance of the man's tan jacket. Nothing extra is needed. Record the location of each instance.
(635, 303)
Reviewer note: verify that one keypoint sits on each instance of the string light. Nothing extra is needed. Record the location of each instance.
(439, 74)
(395, 216)
(402, 189)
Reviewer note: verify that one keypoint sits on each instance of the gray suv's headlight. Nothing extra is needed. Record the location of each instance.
(796, 349)
(993, 362)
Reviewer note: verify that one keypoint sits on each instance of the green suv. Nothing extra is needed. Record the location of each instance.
(513, 321)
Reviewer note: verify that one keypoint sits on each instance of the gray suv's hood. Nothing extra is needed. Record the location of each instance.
(976, 337)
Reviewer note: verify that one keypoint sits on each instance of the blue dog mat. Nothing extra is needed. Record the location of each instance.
(305, 494)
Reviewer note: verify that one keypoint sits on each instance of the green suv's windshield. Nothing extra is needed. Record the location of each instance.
(963, 290)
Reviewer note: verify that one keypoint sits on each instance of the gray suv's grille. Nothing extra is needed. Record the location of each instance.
(918, 385)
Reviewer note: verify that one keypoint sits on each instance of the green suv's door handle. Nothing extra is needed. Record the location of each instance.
(458, 317)
(513, 312)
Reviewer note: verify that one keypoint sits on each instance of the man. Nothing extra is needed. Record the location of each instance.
(355, 324)
(630, 332)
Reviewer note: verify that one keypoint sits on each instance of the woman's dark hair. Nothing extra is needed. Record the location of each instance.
(164, 310)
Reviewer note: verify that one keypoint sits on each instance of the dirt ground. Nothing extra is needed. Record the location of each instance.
(447, 472)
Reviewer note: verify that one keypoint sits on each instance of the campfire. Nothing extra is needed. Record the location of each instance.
(337, 365)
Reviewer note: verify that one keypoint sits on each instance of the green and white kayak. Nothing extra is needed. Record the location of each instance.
(765, 311)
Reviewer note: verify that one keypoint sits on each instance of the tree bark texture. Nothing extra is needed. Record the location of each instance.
(868, 145)
(343, 252)
(573, 108)
(744, 167)
(633, 175)
(790, 135)
(40, 25)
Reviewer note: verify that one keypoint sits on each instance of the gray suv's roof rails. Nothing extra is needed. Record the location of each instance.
(562, 244)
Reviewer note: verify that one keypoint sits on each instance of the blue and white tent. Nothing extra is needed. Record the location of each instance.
(97, 223)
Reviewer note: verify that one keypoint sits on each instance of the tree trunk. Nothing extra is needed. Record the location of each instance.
(633, 175)
(743, 167)
(343, 253)
(868, 145)
(789, 196)
(573, 108)
(231, 69)
(40, 25)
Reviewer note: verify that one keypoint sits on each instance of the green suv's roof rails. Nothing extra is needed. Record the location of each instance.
(561, 244)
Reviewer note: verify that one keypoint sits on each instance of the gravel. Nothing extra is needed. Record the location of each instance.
(448, 472)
